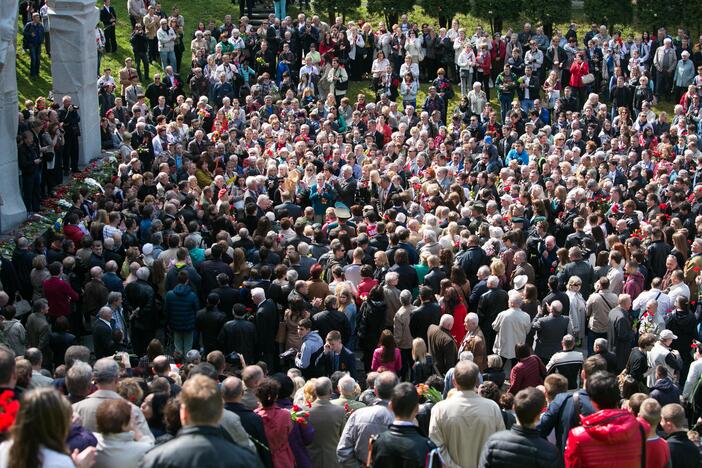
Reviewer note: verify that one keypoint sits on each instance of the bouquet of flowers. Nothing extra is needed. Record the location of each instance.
(9, 407)
(600, 203)
(429, 393)
(300, 415)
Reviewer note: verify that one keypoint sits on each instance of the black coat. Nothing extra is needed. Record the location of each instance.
(347, 362)
(408, 277)
(433, 279)
(239, 335)
(520, 446)
(429, 313)
(142, 295)
(103, 343)
(200, 446)
(328, 320)
(266, 321)
(683, 452)
(471, 260)
(401, 446)
(371, 322)
(209, 269)
(209, 323)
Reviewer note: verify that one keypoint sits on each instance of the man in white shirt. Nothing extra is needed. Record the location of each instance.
(678, 286)
(655, 293)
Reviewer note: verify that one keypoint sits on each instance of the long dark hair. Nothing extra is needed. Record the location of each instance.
(387, 343)
(451, 300)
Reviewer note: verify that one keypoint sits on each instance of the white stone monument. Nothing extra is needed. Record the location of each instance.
(74, 66)
(12, 211)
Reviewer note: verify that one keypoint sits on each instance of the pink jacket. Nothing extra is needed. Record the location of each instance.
(395, 365)
(277, 425)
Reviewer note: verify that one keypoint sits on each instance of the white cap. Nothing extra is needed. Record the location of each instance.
(668, 335)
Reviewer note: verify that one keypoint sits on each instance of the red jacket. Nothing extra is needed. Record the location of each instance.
(74, 233)
(59, 294)
(577, 72)
(610, 438)
(529, 372)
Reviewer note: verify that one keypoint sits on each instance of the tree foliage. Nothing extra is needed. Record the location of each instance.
(609, 12)
(497, 11)
(443, 8)
(390, 9)
(329, 9)
(652, 14)
(547, 12)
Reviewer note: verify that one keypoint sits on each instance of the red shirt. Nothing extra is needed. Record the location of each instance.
(59, 294)
(74, 233)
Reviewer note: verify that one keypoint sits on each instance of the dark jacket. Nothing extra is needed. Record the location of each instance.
(584, 271)
(203, 446)
(328, 320)
(433, 279)
(371, 321)
(550, 332)
(253, 425)
(683, 324)
(683, 452)
(401, 447)
(442, 347)
(346, 362)
(103, 343)
(490, 304)
(665, 391)
(209, 269)
(471, 260)
(408, 277)
(228, 296)
(619, 335)
(266, 321)
(181, 308)
(657, 253)
(520, 446)
(141, 294)
(209, 323)
(429, 313)
(239, 335)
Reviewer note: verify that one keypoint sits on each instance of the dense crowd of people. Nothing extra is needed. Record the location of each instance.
(281, 275)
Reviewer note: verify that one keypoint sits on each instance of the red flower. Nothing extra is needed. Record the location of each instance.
(663, 206)
(9, 407)
(300, 420)
(296, 408)
(695, 269)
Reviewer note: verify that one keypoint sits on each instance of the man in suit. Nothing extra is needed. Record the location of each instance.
(441, 344)
(108, 17)
(104, 342)
(266, 322)
(346, 186)
(232, 392)
(522, 267)
(239, 335)
(428, 313)
(619, 331)
(550, 330)
(490, 304)
(328, 421)
(294, 211)
(336, 356)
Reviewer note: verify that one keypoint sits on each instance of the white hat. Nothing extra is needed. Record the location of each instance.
(520, 281)
(147, 249)
(668, 335)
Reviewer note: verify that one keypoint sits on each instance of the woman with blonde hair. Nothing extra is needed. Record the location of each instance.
(497, 268)
(577, 311)
(423, 363)
(382, 265)
(38, 436)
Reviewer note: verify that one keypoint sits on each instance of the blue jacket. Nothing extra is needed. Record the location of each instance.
(33, 35)
(522, 157)
(311, 343)
(561, 415)
(181, 308)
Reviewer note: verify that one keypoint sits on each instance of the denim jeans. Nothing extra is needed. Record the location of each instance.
(183, 341)
(505, 106)
(279, 7)
(35, 60)
(168, 58)
(527, 104)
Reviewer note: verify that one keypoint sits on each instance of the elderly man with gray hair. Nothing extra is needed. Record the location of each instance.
(567, 362)
(401, 331)
(328, 421)
(512, 326)
(141, 298)
(550, 329)
(474, 341)
(391, 295)
(348, 391)
(106, 375)
(441, 344)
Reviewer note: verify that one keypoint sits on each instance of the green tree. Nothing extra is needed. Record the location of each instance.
(332, 8)
(547, 12)
(442, 10)
(390, 9)
(609, 12)
(652, 14)
(497, 11)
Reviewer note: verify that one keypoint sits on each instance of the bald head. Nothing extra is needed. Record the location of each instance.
(232, 389)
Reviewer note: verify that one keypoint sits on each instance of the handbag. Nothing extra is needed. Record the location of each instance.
(588, 79)
(22, 306)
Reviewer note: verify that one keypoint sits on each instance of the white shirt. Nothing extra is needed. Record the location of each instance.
(678, 290)
(693, 375)
(663, 300)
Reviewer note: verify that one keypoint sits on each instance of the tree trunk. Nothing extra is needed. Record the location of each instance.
(548, 29)
(392, 18)
(498, 24)
(332, 16)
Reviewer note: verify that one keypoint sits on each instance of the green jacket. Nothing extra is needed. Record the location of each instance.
(506, 85)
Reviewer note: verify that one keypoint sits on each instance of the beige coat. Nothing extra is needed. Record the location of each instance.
(401, 327)
(512, 327)
(461, 425)
(328, 421)
(86, 410)
(598, 306)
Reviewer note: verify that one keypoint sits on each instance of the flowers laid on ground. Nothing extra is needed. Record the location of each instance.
(92, 179)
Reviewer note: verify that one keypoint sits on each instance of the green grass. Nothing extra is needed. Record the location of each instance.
(194, 11)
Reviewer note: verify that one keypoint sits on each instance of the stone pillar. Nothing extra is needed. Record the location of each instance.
(74, 66)
(12, 210)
